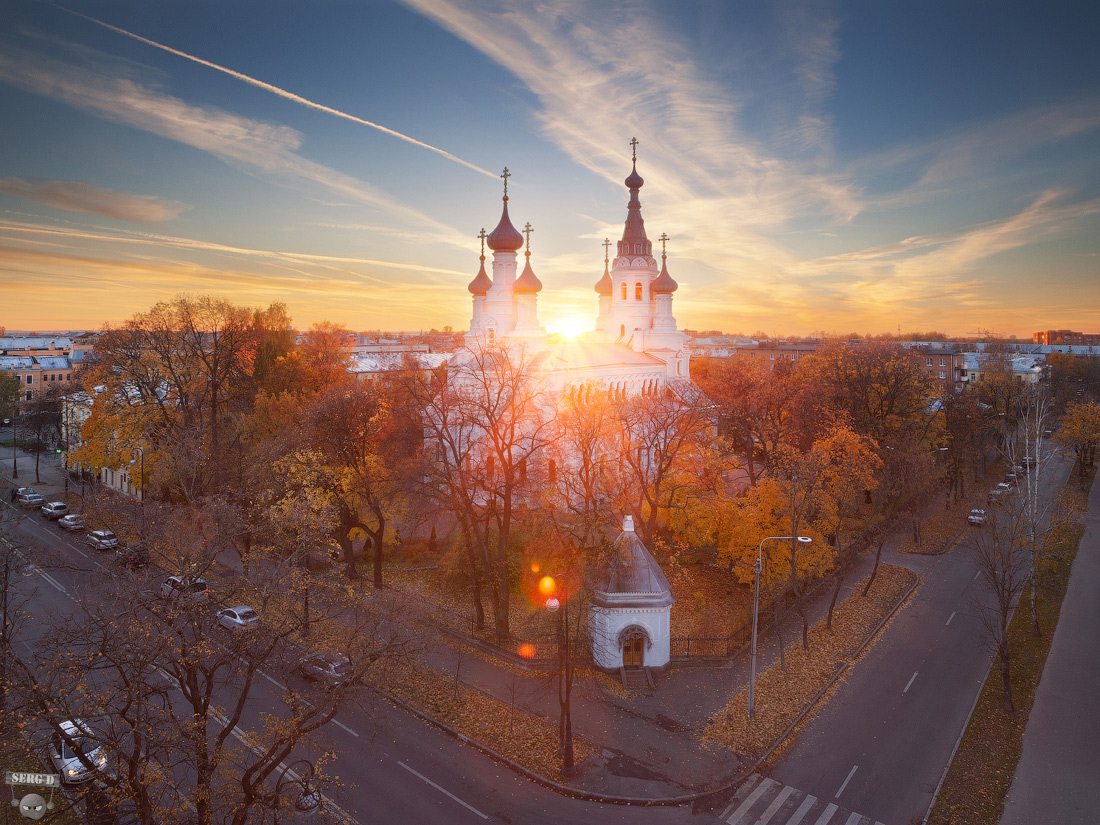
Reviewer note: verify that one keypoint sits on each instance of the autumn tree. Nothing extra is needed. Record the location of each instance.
(662, 439)
(1080, 432)
(488, 426)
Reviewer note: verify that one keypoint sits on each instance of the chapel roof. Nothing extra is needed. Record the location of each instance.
(631, 571)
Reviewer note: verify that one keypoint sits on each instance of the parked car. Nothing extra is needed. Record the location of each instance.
(66, 759)
(326, 667)
(102, 540)
(1010, 478)
(31, 500)
(54, 510)
(976, 517)
(1019, 470)
(19, 491)
(1000, 491)
(73, 521)
(185, 588)
(132, 557)
(237, 618)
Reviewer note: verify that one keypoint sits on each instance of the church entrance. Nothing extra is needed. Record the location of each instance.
(633, 648)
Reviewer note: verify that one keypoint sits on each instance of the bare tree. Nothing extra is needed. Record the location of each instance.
(1003, 556)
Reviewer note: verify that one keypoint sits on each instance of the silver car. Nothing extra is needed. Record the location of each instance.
(54, 510)
(238, 618)
(326, 667)
(73, 521)
(178, 588)
(31, 500)
(66, 759)
(102, 540)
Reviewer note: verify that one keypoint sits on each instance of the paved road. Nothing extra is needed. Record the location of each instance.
(880, 746)
(392, 766)
(1058, 777)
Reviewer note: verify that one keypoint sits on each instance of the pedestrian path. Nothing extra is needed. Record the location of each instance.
(763, 801)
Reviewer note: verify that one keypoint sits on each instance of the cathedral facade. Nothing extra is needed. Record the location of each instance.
(635, 347)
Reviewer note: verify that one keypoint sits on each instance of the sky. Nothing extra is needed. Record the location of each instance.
(819, 167)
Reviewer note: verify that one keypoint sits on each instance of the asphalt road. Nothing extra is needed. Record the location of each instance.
(882, 743)
(393, 768)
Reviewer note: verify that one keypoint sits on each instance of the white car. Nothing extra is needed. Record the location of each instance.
(976, 517)
(191, 590)
(66, 760)
(238, 618)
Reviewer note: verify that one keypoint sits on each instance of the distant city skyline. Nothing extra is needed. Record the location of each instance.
(819, 167)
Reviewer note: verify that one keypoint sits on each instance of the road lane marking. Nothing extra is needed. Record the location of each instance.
(54, 582)
(746, 786)
(803, 809)
(826, 815)
(750, 800)
(340, 724)
(777, 803)
(443, 790)
(853, 819)
(976, 575)
(949, 618)
(851, 773)
(909, 684)
(277, 684)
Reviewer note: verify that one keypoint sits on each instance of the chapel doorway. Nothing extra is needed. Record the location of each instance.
(633, 648)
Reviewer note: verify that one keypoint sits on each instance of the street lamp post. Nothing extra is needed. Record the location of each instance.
(141, 489)
(309, 800)
(565, 670)
(756, 611)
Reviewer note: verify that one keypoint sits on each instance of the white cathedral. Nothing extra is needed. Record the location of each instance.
(635, 347)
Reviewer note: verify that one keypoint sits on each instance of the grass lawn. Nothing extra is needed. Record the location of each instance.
(981, 772)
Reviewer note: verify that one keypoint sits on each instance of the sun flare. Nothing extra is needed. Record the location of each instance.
(570, 329)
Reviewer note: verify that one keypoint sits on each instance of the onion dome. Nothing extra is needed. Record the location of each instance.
(604, 285)
(664, 282)
(481, 284)
(527, 283)
(505, 236)
(634, 180)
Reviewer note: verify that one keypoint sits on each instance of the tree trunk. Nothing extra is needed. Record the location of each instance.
(376, 537)
(832, 602)
(475, 577)
(777, 623)
(1006, 675)
(874, 570)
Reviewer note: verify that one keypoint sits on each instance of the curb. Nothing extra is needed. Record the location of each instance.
(839, 672)
(565, 790)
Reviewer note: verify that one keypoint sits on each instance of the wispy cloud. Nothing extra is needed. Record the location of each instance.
(78, 196)
(284, 93)
(263, 149)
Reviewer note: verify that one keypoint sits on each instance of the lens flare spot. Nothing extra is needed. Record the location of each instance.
(526, 650)
(547, 585)
(535, 567)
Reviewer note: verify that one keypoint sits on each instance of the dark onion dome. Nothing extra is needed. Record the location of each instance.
(505, 236)
(604, 285)
(634, 181)
(664, 282)
(527, 283)
(480, 285)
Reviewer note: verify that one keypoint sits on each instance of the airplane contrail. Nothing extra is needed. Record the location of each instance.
(283, 92)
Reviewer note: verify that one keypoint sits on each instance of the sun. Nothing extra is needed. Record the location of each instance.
(570, 329)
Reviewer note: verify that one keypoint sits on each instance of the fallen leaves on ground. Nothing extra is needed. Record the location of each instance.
(782, 695)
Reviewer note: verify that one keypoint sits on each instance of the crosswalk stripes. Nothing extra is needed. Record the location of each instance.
(763, 801)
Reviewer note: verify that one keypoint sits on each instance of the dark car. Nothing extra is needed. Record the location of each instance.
(132, 557)
(326, 667)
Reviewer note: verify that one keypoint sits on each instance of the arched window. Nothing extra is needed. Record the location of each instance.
(492, 335)
(622, 327)
(624, 298)
(638, 291)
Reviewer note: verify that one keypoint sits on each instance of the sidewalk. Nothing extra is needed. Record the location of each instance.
(1058, 776)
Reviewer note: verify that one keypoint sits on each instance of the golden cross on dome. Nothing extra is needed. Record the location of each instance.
(506, 175)
(634, 150)
(606, 247)
(527, 230)
(663, 239)
(483, 236)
